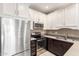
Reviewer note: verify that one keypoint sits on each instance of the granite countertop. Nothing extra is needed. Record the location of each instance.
(59, 38)
(53, 34)
(71, 36)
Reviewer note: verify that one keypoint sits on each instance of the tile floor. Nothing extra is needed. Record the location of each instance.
(47, 53)
(25, 53)
(42, 53)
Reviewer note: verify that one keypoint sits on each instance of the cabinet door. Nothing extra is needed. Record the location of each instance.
(37, 17)
(33, 15)
(9, 8)
(33, 48)
(49, 44)
(71, 16)
(1, 6)
(59, 47)
(23, 10)
(47, 23)
(41, 17)
(56, 19)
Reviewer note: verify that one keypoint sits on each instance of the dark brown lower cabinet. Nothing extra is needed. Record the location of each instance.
(33, 48)
(0, 36)
(58, 47)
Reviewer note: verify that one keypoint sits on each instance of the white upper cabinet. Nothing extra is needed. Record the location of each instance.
(47, 23)
(42, 18)
(77, 6)
(9, 8)
(1, 10)
(64, 18)
(34, 15)
(56, 19)
(71, 16)
(23, 10)
(15, 9)
(59, 18)
(37, 16)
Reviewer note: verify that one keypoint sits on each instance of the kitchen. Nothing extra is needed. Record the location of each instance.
(59, 25)
(39, 29)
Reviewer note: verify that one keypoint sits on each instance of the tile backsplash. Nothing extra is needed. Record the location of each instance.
(64, 31)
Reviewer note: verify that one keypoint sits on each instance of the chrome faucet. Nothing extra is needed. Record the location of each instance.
(66, 35)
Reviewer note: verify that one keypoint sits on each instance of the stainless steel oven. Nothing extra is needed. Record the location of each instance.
(41, 43)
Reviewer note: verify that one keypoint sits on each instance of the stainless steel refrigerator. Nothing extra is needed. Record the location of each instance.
(15, 37)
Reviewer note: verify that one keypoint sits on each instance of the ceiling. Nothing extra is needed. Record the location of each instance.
(48, 7)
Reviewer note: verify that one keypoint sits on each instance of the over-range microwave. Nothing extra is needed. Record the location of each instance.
(38, 26)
